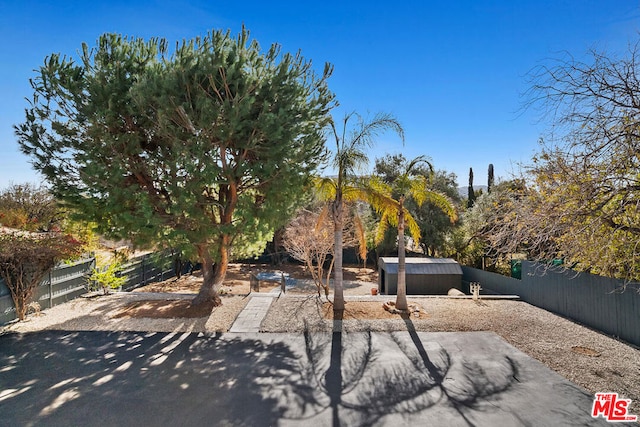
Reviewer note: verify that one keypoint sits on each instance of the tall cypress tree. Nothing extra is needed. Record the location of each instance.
(490, 178)
(472, 194)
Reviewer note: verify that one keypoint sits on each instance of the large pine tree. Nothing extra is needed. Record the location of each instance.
(206, 147)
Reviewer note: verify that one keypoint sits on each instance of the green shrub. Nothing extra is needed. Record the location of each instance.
(108, 278)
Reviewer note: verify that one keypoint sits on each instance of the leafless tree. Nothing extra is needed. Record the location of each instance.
(585, 178)
(595, 144)
(309, 238)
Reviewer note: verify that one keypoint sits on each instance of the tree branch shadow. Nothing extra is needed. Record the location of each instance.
(336, 377)
(140, 378)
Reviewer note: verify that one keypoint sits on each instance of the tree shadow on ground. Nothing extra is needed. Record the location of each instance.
(355, 378)
(131, 378)
(325, 378)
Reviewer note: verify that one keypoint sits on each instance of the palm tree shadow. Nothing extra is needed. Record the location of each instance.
(479, 385)
(333, 377)
(359, 381)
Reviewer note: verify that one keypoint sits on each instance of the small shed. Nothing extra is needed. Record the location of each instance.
(424, 276)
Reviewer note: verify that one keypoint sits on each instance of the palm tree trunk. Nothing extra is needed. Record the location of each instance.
(338, 296)
(401, 298)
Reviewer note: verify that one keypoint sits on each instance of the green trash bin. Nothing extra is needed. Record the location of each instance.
(516, 269)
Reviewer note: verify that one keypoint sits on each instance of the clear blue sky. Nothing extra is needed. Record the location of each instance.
(452, 72)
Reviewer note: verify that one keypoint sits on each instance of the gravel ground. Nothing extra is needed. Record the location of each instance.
(98, 314)
(588, 358)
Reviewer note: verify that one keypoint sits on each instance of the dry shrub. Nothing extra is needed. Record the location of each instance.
(25, 258)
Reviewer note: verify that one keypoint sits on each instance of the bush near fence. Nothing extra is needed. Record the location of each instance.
(601, 303)
(68, 281)
(63, 283)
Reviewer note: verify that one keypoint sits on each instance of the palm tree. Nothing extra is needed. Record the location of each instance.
(393, 212)
(349, 159)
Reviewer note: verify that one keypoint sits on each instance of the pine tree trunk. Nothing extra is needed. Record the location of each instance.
(212, 277)
(338, 296)
(401, 298)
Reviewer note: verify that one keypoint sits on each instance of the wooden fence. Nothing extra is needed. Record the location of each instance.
(61, 284)
(66, 282)
(598, 302)
(148, 268)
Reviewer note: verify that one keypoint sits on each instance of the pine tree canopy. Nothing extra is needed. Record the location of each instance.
(209, 144)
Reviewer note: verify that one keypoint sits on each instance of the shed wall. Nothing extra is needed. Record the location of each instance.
(418, 284)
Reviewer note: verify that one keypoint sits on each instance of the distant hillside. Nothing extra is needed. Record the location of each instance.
(464, 191)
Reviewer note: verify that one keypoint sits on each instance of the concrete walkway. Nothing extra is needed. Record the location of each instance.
(251, 317)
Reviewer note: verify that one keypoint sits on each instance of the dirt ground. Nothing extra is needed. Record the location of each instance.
(164, 309)
(370, 310)
(237, 282)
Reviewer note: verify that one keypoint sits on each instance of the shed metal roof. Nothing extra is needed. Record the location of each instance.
(418, 266)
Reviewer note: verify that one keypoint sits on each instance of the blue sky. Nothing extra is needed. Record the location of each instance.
(452, 72)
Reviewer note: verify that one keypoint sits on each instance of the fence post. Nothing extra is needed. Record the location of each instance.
(144, 270)
(50, 290)
(255, 283)
(161, 262)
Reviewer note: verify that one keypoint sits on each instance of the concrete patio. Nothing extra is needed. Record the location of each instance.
(59, 378)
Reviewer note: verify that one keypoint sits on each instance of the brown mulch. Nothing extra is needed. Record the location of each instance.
(237, 282)
(164, 309)
(585, 351)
